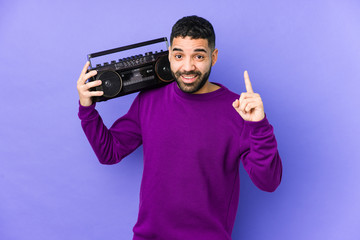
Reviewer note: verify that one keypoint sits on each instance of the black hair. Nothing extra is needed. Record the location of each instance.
(194, 27)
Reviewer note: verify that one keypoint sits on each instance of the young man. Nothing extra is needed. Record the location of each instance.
(194, 136)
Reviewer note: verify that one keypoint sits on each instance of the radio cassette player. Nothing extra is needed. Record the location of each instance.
(131, 74)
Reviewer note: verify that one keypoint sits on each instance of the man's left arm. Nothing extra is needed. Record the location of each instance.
(262, 161)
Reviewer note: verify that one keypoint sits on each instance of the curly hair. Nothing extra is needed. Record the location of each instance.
(194, 27)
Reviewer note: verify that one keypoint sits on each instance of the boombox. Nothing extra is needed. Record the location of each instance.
(131, 74)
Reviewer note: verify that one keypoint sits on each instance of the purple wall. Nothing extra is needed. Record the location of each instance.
(303, 58)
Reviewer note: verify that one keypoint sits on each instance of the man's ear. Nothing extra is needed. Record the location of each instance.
(214, 56)
(169, 53)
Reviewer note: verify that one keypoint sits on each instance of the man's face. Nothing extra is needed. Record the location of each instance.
(191, 61)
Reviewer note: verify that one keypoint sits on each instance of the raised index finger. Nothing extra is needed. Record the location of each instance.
(248, 83)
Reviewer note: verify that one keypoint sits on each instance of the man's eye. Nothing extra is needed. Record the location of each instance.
(199, 57)
(178, 56)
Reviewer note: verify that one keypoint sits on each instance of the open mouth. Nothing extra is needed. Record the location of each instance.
(189, 78)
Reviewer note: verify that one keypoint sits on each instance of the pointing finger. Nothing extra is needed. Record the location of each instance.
(247, 82)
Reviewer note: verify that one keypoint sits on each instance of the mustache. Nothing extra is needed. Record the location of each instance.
(178, 74)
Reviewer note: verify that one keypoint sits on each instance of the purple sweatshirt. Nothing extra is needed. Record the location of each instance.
(193, 145)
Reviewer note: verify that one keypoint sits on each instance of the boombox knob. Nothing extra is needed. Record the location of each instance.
(162, 69)
(111, 83)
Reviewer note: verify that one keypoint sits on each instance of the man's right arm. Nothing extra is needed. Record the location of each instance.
(109, 145)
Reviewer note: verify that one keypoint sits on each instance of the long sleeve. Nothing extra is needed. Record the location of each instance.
(111, 145)
(262, 160)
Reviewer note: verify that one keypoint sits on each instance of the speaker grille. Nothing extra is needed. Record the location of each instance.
(162, 69)
(111, 83)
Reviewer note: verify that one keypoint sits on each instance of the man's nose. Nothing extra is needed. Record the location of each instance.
(188, 65)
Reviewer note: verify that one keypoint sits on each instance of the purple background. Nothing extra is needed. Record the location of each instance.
(303, 58)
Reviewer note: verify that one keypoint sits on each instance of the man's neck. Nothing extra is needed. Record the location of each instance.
(208, 87)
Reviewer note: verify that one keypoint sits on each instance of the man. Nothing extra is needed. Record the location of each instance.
(194, 136)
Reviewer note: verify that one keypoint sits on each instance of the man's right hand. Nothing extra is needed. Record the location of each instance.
(83, 87)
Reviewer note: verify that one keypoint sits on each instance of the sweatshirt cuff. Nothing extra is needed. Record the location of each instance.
(87, 113)
(258, 127)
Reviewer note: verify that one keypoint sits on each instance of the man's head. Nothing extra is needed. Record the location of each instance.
(192, 53)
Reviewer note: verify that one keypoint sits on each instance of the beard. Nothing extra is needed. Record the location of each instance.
(194, 86)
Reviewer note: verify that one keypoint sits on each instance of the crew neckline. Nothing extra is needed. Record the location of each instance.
(201, 96)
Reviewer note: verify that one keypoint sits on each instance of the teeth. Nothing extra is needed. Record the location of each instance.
(188, 77)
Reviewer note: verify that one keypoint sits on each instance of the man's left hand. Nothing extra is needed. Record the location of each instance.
(249, 105)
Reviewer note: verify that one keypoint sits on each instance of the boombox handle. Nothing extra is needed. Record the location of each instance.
(136, 45)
